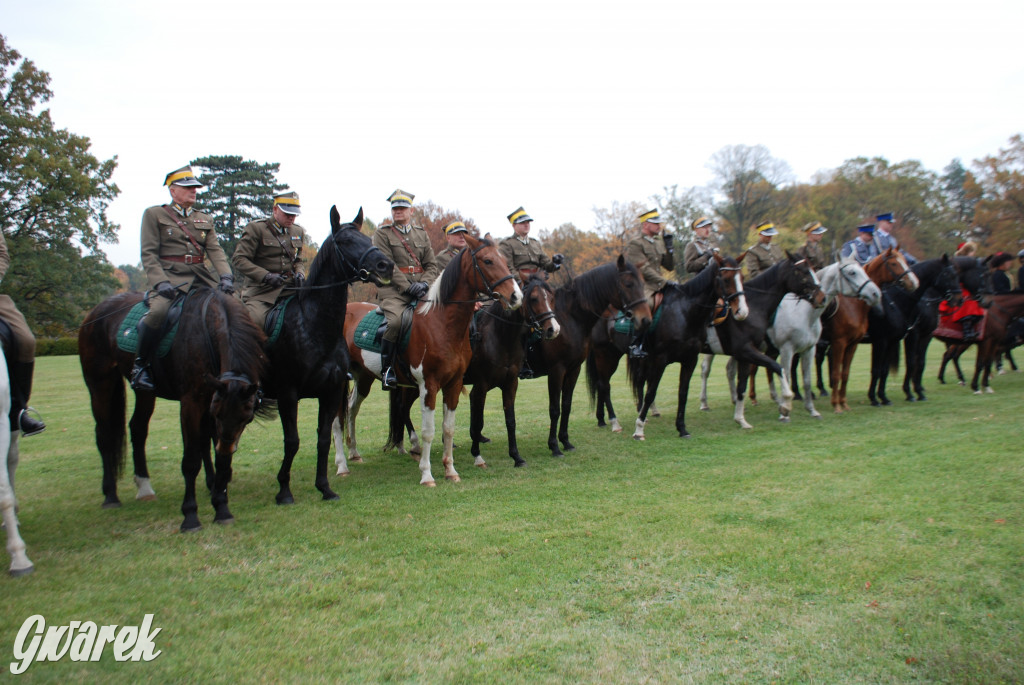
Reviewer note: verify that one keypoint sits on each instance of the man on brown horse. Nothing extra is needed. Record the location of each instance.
(22, 364)
(176, 241)
(650, 255)
(408, 246)
(455, 233)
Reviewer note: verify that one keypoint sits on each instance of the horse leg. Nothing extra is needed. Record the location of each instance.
(328, 411)
(451, 403)
(288, 408)
(568, 387)
(554, 396)
(820, 352)
(654, 374)
(742, 369)
(508, 401)
(139, 430)
(107, 398)
(917, 378)
(428, 401)
(221, 471)
(477, 404)
(847, 364)
(946, 356)
(835, 372)
(877, 360)
(786, 362)
(752, 376)
(20, 563)
(891, 350)
(191, 459)
(806, 360)
(730, 374)
(414, 437)
(359, 393)
(794, 380)
(705, 371)
(686, 367)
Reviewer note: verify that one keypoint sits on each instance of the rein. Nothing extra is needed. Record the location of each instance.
(358, 271)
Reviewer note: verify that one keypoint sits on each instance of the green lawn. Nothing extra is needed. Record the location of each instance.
(883, 545)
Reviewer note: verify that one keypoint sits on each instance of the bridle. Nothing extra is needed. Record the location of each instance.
(483, 277)
(814, 287)
(358, 271)
(627, 307)
(849, 279)
(533, 320)
(897, 278)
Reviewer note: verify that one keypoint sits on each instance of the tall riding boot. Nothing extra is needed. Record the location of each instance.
(525, 371)
(636, 347)
(21, 390)
(388, 379)
(968, 325)
(142, 372)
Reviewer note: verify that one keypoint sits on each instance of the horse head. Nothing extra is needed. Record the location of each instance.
(891, 267)
(358, 258)
(236, 399)
(947, 282)
(730, 286)
(853, 281)
(974, 275)
(801, 280)
(487, 271)
(539, 307)
(632, 300)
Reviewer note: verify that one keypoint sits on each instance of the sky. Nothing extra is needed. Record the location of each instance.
(558, 106)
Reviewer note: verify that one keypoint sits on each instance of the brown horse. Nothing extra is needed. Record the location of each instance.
(1001, 310)
(437, 355)
(845, 326)
(213, 369)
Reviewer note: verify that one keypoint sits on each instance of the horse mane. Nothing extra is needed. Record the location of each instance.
(443, 287)
(699, 283)
(322, 262)
(243, 338)
(767, 279)
(598, 286)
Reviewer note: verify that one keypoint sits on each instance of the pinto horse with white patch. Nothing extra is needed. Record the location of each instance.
(20, 564)
(437, 355)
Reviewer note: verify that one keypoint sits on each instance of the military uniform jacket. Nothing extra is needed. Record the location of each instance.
(649, 255)
(266, 247)
(864, 252)
(445, 257)
(163, 237)
(528, 255)
(760, 257)
(884, 241)
(698, 253)
(415, 264)
(813, 253)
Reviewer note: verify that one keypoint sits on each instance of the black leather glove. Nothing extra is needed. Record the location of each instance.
(165, 289)
(669, 240)
(272, 279)
(227, 284)
(557, 259)
(299, 279)
(418, 289)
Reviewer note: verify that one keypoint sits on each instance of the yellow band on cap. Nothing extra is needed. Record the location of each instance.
(178, 176)
(285, 201)
(765, 227)
(811, 226)
(648, 216)
(400, 198)
(516, 215)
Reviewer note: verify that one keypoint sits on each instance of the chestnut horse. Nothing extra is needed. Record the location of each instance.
(20, 563)
(213, 369)
(437, 354)
(1001, 311)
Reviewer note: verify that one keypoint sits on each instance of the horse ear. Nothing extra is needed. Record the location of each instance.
(336, 218)
(621, 263)
(742, 255)
(358, 221)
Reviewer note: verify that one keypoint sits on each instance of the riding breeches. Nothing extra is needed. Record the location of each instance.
(26, 342)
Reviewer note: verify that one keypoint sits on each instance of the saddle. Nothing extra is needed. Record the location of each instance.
(128, 334)
(370, 330)
(274, 323)
(624, 324)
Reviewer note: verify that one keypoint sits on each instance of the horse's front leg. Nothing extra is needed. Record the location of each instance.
(139, 430)
(451, 403)
(223, 452)
(508, 401)
(428, 400)
(328, 412)
(361, 388)
(477, 403)
(806, 361)
(786, 362)
(20, 563)
(686, 367)
(705, 371)
(194, 441)
(655, 369)
(742, 368)
(847, 364)
(555, 379)
(568, 387)
(288, 408)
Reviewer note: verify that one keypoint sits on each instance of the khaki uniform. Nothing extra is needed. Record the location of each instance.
(813, 253)
(648, 254)
(525, 258)
(162, 237)
(23, 337)
(698, 253)
(415, 264)
(445, 257)
(267, 247)
(760, 257)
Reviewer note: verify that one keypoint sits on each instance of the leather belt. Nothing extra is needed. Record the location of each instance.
(410, 269)
(184, 259)
(528, 270)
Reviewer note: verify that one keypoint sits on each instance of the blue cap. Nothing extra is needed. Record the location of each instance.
(866, 228)
(885, 217)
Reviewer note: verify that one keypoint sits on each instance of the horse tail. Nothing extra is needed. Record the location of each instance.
(106, 390)
(396, 420)
(592, 377)
(343, 407)
(636, 372)
(894, 358)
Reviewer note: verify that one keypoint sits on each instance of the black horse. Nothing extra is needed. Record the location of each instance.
(744, 340)
(310, 359)
(213, 370)
(685, 313)
(901, 313)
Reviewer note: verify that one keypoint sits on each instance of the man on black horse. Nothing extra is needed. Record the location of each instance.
(176, 241)
(408, 246)
(650, 253)
(269, 256)
(21, 361)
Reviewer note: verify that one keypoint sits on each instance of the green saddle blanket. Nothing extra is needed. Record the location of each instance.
(128, 333)
(370, 332)
(274, 322)
(624, 325)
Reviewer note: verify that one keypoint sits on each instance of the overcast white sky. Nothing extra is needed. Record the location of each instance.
(559, 106)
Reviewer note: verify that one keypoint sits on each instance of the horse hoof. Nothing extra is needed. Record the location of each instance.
(886, 403)
(112, 505)
(705, 408)
(783, 419)
(685, 435)
(656, 414)
(875, 403)
(191, 527)
(429, 484)
(639, 438)
(287, 499)
(226, 521)
(990, 391)
(484, 440)
(816, 415)
(557, 454)
(355, 459)
(145, 498)
(977, 392)
(520, 464)
(453, 479)
(601, 424)
(19, 572)
(331, 496)
(922, 398)
(911, 399)
(343, 474)
(481, 465)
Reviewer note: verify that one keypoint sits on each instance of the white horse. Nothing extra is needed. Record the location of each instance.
(797, 324)
(20, 564)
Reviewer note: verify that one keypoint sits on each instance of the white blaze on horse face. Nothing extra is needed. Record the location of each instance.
(516, 300)
(742, 311)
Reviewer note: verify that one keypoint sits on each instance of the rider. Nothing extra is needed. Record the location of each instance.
(21, 360)
(811, 251)
(650, 255)
(884, 239)
(698, 252)
(763, 254)
(268, 255)
(863, 246)
(455, 233)
(176, 241)
(415, 269)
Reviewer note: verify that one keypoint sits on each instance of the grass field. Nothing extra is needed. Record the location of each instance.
(883, 545)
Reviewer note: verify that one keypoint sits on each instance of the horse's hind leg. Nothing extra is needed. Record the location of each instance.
(139, 429)
(328, 411)
(705, 371)
(567, 391)
(289, 412)
(20, 563)
(193, 442)
(477, 403)
(806, 361)
(554, 396)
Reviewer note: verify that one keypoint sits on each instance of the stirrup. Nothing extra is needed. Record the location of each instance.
(637, 351)
(388, 380)
(142, 378)
(31, 424)
(525, 372)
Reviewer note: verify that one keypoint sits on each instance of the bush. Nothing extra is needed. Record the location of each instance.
(56, 347)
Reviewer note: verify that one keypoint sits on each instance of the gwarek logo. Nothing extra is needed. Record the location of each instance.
(82, 641)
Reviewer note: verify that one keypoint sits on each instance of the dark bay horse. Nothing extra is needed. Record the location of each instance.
(845, 325)
(21, 565)
(743, 340)
(579, 305)
(213, 370)
(900, 313)
(311, 357)
(437, 355)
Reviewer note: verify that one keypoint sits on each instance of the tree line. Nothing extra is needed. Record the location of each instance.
(54, 196)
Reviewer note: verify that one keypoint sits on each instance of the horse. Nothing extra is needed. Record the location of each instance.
(797, 324)
(845, 326)
(686, 311)
(579, 304)
(1009, 336)
(213, 370)
(21, 565)
(311, 357)
(743, 340)
(900, 312)
(437, 354)
(498, 357)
